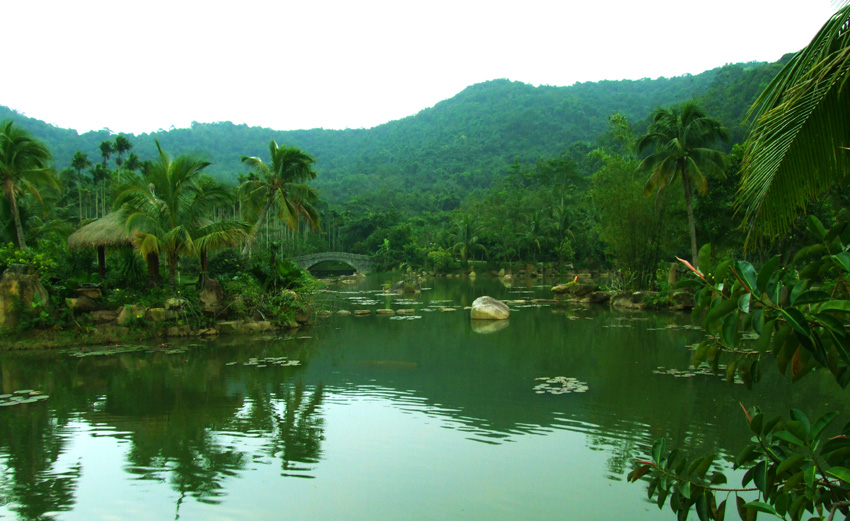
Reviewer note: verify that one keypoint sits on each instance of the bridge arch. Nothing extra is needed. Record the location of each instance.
(360, 263)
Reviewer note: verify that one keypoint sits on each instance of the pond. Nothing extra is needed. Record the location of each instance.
(378, 417)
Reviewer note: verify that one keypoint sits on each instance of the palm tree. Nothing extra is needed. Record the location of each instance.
(23, 168)
(107, 148)
(168, 211)
(280, 184)
(680, 141)
(79, 163)
(122, 144)
(467, 239)
(798, 146)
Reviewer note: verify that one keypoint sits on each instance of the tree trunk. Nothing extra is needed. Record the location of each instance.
(19, 229)
(101, 261)
(172, 269)
(258, 224)
(686, 184)
(154, 278)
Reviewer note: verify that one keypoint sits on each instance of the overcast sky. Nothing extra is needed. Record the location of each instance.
(138, 66)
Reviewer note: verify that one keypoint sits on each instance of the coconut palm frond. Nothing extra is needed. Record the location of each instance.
(801, 131)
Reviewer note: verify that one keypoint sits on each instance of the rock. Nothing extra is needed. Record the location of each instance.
(343, 312)
(597, 297)
(256, 327)
(92, 292)
(406, 311)
(447, 309)
(543, 301)
(157, 315)
(81, 304)
(485, 327)
(302, 317)
(130, 313)
(406, 287)
(362, 312)
(211, 294)
(560, 289)
(472, 275)
(183, 330)
(385, 312)
(175, 303)
(488, 308)
(209, 331)
(20, 291)
(579, 291)
(103, 316)
(682, 300)
(229, 326)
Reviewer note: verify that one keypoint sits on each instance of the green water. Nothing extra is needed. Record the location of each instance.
(384, 419)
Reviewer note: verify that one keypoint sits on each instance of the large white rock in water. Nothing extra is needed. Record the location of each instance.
(488, 308)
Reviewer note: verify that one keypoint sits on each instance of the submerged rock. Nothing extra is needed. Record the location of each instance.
(488, 308)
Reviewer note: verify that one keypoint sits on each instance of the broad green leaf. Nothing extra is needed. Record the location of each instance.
(798, 289)
(814, 225)
(722, 270)
(840, 472)
(835, 305)
(658, 450)
(744, 302)
(766, 273)
(790, 438)
(704, 258)
(790, 464)
(800, 417)
(730, 327)
(843, 260)
(689, 283)
(810, 297)
(702, 508)
(796, 320)
(762, 507)
(747, 274)
(720, 310)
(821, 423)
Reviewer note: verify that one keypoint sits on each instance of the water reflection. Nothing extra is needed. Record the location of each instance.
(417, 403)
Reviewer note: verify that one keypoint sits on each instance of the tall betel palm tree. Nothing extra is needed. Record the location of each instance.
(680, 140)
(798, 146)
(168, 209)
(281, 184)
(24, 167)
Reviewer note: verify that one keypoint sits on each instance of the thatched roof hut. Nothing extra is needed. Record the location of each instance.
(108, 231)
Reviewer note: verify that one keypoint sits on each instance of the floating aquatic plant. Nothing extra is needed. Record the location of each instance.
(560, 385)
(406, 317)
(277, 361)
(21, 397)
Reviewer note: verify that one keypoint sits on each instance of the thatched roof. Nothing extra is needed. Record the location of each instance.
(106, 231)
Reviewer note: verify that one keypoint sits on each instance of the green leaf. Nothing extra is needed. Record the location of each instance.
(747, 274)
(803, 420)
(702, 508)
(722, 270)
(762, 507)
(796, 320)
(816, 227)
(843, 260)
(744, 302)
(730, 327)
(658, 450)
(720, 310)
(790, 464)
(835, 305)
(821, 423)
(704, 258)
(810, 297)
(840, 472)
(767, 271)
(689, 283)
(790, 438)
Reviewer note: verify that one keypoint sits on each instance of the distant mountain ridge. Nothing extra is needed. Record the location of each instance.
(466, 138)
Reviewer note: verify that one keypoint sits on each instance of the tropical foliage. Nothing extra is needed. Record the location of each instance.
(801, 135)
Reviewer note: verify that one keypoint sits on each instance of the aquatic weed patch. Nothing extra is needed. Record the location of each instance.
(560, 385)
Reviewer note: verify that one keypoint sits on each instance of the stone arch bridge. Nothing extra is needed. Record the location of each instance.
(360, 263)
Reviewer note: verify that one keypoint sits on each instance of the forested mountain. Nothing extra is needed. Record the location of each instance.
(455, 147)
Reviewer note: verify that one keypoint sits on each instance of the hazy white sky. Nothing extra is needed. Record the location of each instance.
(136, 66)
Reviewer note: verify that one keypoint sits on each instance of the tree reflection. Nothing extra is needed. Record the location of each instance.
(30, 483)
